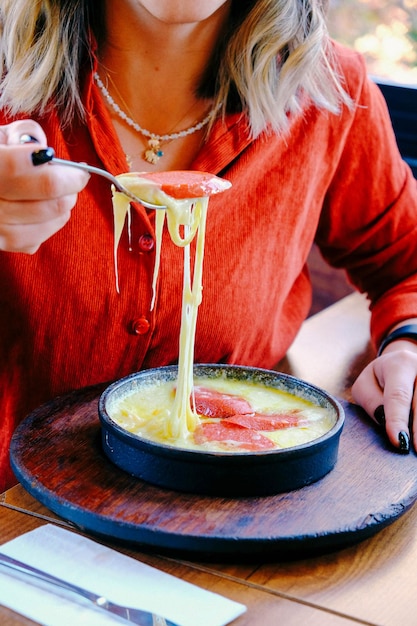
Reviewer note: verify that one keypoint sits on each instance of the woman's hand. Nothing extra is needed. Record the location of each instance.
(35, 202)
(386, 390)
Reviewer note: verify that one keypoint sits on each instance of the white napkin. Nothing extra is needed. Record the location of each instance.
(107, 572)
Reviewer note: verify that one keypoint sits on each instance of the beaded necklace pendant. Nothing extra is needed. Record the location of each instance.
(153, 153)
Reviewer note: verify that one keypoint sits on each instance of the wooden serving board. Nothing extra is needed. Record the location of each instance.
(56, 455)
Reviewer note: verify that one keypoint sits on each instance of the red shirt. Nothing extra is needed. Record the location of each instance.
(338, 179)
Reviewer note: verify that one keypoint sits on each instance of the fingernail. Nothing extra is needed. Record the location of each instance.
(404, 441)
(379, 415)
(25, 138)
(42, 156)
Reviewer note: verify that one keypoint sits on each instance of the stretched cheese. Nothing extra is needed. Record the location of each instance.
(186, 196)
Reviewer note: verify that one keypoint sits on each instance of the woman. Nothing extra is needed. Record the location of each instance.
(250, 90)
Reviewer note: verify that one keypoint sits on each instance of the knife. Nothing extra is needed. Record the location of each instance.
(132, 615)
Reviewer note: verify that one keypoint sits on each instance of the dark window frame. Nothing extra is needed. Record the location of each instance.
(402, 105)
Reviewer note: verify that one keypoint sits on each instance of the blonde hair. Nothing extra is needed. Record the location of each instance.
(280, 55)
(42, 46)
(274, 55)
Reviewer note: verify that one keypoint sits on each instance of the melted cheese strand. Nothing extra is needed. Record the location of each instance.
(188, 216)
(159, 228)
(121, 209)
(184, 418)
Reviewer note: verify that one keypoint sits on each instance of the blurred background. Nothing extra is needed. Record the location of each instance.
(385, 32)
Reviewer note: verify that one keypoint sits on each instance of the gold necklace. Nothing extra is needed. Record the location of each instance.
(154, 150)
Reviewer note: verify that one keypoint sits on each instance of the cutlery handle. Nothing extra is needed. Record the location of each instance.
(133, 615)
(47, 155)
(18, 566)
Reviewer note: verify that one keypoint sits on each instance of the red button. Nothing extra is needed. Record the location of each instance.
(140, 326)
(146, 243)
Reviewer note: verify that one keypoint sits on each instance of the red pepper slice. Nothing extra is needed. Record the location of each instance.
(187, 183)
(209, 403)
(267, 422)
(232, 436)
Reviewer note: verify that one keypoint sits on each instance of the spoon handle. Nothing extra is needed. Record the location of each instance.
(47, 155)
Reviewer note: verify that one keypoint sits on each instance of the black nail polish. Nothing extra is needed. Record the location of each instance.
(379, 415)
(42, 156)
(404, 441)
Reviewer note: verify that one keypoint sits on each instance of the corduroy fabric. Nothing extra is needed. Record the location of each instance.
(338, 179)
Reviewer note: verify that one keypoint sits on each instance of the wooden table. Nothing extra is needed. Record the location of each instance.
(372, 582)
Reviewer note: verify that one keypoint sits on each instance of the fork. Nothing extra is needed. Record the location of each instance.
(134, 616)
(47, 155)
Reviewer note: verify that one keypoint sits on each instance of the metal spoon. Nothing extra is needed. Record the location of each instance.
(47, 155)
